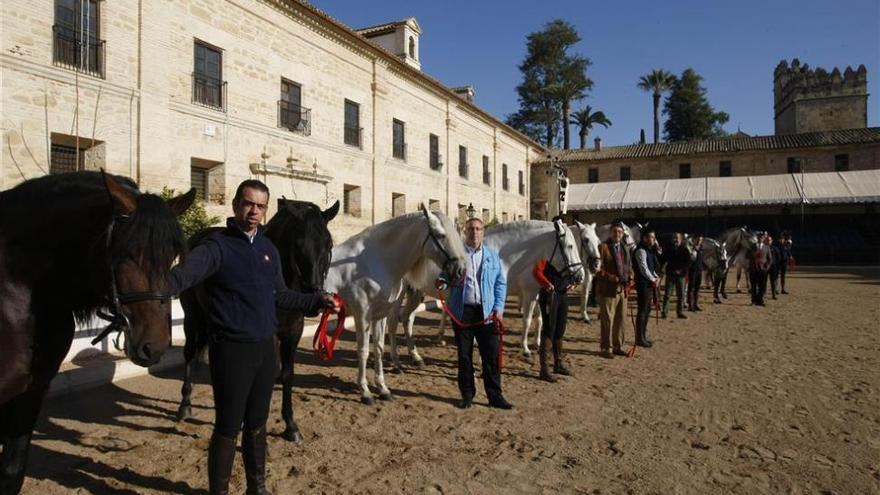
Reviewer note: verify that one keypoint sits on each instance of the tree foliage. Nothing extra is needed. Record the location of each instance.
(688, 113)
(195, 218)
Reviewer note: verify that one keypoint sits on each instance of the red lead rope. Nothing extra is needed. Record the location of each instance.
(320, 343)
(498, 324)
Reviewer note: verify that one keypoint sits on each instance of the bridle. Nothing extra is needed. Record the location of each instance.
(118, 321)
(557, 246)
(450, 260)
(591, 260)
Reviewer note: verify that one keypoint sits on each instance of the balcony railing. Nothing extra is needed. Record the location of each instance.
(208, 91)
(294, 117)
(436, 161)
(399, 151)
(463, 169)
(487, 177)
(505, 183)
(353, 136)
(75, 51)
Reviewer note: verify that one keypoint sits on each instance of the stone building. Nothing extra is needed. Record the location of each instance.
(206, 93)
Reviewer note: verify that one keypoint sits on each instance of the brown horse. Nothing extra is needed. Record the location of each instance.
(70, 245)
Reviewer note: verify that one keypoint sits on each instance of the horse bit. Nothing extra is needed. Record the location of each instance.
(560, 234)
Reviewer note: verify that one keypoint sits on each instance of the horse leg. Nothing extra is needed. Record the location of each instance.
(190, 351)
(379, 350)
(196, 332)
(393, 318)
(16, 353)
(585, 297)
(409, 321)
(442, 329)
(526, 310)
(54, 328)
(363, 351)
(289, 335)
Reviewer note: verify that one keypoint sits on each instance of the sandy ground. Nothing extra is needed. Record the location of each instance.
(737, 399)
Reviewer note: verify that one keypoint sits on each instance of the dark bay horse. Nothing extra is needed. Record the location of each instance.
(70, 245)
(299, 231)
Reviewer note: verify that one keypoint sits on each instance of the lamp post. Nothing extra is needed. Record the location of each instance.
(471, 211)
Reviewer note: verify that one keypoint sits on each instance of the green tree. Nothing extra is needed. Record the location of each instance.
(552, 80)
(585, 119)
(658, 81)
(689, 115)
(195, 218)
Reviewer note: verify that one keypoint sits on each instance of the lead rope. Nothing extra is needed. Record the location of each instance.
(499, 325)
(320, 343)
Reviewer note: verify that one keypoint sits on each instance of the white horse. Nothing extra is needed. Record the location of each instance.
(737, 242)
(716, 262)
(520, 245)
(367, 271)
(588, 249)
(632, 235)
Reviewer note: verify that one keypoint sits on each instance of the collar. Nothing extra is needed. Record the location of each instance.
(470, 250)
(233, 227)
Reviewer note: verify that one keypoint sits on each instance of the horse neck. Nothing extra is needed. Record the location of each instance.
(522, 245)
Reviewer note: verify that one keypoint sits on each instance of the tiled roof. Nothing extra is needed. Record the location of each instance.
(381, 28)
(729, 144)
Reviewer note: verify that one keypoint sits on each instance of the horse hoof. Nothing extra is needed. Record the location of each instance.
(418, 363)
(184, 413)
(386, 396)
(528, 357)
(397, 370)
(293, 436)
(367, 401)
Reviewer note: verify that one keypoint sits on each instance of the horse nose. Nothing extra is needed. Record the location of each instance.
(147, 355)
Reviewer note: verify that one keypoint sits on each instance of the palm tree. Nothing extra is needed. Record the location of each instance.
(658, 81)
(585, 120)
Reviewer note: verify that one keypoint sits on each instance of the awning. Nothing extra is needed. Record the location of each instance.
(858, 186)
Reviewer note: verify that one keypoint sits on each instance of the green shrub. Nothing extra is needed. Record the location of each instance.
(195, 218)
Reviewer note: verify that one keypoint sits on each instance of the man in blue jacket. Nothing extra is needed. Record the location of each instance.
(242, 285)
(476, 303)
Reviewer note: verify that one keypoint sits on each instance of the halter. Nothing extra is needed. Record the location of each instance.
(449, 258)
(118, 321)
(592, 260)
(560, 234)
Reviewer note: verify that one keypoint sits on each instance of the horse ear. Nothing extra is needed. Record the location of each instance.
(580, 225)
(180, 204)
(124, 202)
(330, 213)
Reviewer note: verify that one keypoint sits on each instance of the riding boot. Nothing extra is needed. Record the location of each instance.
(558, 365)
(543, 350)
(221, 454)
(253, 449)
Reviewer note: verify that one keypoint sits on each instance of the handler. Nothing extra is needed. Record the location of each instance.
(243, 284)
(553, 301)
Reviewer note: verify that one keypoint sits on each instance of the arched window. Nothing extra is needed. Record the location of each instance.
(412, 47)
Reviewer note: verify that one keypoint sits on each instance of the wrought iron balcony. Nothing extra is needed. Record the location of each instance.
(294, 117)
(353, 136)
(77, 51)
(208, 92)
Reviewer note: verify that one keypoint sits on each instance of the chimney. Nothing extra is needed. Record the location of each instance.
(467, 92)
(642, 137)
(598, 142)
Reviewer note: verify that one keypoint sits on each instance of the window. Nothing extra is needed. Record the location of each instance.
(522, 183)
(75, 42)
(198, 180)
(462, 162)
(64, 159)
(398, 204)
(398, 139)
(487, 216)
(351, 132)
(434, 204)
(412, 47)
(351, 200)
(207, 178)
(291, 114)
(505, 182)
(208, 85)
(487, 176)
(725, 168)
(684, 170)
(625, 173)
(504, 217)
(841, 163)
(434, 151)
(592, 175)
(794, 165)
(462, 214)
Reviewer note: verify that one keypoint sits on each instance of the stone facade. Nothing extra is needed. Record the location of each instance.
(809, 100)
(140, 115)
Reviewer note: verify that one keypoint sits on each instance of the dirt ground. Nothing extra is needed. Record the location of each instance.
(736, 399)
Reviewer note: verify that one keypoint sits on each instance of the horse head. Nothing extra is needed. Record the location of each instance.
(299, 231)
(589, 243)
(443, 245)
(143, 240)
(567, 245)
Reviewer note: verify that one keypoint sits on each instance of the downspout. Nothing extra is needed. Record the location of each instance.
(140, 94)
(373, 206)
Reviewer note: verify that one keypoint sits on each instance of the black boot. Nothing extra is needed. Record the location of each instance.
(543, 351)
(558, 364)
(253, 449)
(221, 454)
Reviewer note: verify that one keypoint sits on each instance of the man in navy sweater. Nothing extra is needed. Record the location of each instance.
(240, 271)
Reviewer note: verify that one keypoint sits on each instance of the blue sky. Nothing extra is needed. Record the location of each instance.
(733, 45)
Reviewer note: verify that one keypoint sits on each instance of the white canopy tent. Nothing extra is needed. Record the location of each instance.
(857, 186)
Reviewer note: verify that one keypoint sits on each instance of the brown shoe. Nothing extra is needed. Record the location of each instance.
(619, 352)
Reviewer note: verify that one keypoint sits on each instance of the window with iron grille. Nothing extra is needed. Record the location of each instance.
(487, 176)
(462, 162)
(841, 163)
(64, 159)
(592, 175)
(198, 180)
(76, 42)
(352, 126)
(505, 182)
(291, 114)
(725, 168)
(522, 183)
(208, 86)
(684, 170)
(794, 165)
(351, 200)
(398, 139)
(625, 173)
(434, 151)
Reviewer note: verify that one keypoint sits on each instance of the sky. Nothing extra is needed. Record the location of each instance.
(734, 45)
